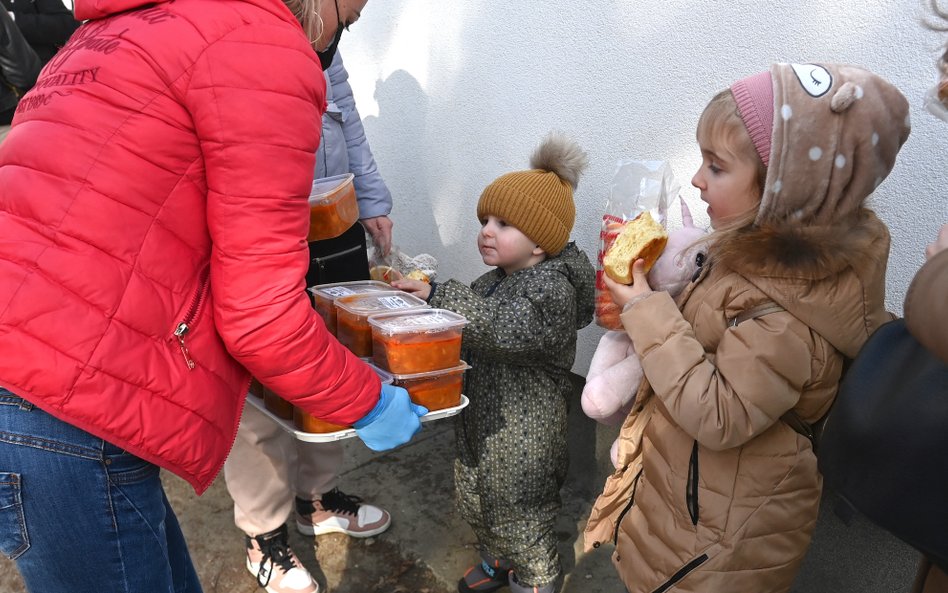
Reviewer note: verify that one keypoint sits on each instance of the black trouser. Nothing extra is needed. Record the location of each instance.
(341, 259)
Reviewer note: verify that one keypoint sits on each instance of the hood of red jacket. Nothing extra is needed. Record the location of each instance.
(97, 9)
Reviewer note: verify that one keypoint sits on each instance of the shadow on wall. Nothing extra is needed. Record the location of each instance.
(399, 131)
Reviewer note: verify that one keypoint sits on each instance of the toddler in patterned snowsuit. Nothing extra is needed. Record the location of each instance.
(521, 342)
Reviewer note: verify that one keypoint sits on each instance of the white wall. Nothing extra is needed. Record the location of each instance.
(454, 93)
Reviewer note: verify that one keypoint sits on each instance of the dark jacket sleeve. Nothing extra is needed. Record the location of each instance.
(19, 64)
(45, 22)
(926, 306)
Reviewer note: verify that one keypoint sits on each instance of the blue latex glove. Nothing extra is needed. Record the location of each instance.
(392, 422)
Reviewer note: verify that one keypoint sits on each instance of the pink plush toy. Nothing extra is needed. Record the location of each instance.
(615, 372)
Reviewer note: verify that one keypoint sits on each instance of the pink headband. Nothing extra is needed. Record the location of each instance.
(755, 102)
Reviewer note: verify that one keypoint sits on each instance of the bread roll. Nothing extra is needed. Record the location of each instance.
(418, 275)
(642, 238)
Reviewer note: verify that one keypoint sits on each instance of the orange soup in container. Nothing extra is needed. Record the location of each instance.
(417, 341)
(276, 404)
(352, 314)
(308, 423)
(324, 295)
(435, 390)
(332, 207)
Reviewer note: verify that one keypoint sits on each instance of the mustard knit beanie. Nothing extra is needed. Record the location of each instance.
(539, 202)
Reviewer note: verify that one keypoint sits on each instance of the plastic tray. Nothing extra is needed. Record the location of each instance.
(328, 437)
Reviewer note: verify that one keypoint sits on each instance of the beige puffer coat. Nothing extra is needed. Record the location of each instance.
(715, 493)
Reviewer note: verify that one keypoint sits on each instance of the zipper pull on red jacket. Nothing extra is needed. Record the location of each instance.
(179, 333)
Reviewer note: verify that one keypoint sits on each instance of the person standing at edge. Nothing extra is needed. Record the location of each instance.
(301, 477)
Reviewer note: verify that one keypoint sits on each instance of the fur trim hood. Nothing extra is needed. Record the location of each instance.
(803, 267)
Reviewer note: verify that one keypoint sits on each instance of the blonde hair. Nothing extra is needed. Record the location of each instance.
(721, 122)
(307, 13)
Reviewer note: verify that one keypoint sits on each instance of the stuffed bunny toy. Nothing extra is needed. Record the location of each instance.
(615, 372)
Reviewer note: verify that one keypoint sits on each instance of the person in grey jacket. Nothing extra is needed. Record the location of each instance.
(345, 149)
(520, 341)
(311, 470)
(19, 67)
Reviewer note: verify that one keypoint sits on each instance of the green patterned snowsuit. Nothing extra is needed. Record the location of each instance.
(511, 439)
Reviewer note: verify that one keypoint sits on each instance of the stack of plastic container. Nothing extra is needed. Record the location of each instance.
(421, 348)
(412, 345)
(325, 295)
(353, 312)
(308, 423)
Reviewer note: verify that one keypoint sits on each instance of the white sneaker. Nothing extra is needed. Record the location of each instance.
(338, 512)
(278, 570)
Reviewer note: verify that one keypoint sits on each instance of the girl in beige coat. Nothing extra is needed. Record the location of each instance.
(715, 491)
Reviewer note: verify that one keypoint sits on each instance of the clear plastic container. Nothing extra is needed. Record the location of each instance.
(324, 295)
(332, 207)
(435, 390)
(352, 313)
(417, 341)
(308, 423)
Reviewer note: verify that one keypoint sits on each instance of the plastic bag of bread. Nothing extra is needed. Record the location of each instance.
(398, 265)
(634, 219)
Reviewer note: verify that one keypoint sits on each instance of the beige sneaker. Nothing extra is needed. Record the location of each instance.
(338, 512)
(278, 570)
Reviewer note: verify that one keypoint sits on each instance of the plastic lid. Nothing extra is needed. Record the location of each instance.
(415, 376)
(341, 289)
(426, 320)
(379, 302)
(327, 188)
(385, 376)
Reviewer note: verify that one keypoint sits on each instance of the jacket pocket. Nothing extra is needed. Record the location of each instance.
(14, 539)
(691, 487)
(341, 259)
(628, 507)
(188, 317)
(682, 573)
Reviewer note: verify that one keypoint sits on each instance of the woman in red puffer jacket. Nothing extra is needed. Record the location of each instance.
(153, 222)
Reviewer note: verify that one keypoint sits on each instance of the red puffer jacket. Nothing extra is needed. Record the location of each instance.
(154, 183)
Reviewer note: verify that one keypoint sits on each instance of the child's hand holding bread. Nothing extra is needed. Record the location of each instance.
(641, 238)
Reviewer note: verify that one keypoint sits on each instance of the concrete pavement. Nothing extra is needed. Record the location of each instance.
(428, 547)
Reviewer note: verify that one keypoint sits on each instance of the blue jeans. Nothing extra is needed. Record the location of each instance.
(79, 515)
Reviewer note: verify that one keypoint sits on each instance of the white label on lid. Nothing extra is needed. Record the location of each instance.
(429, 319)
(394, 302)
(338, 291)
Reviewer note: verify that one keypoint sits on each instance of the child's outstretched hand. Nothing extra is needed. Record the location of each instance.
(418, 288)
(623, 293)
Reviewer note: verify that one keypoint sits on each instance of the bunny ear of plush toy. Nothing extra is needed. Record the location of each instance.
(677, 264)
